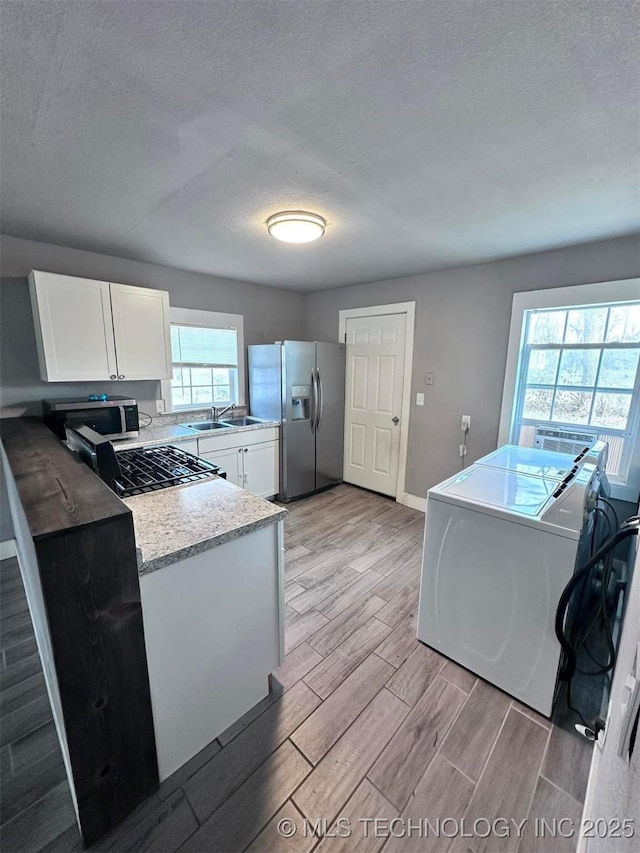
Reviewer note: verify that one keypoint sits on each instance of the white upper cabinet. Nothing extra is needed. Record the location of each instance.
(142, 332)
(74, 331)
(97, 330)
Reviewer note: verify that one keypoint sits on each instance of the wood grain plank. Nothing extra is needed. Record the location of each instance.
(366, 802)
(345, 623)
(550, 804)
(414, 676)
(300, 626)
(19, 671)
(342, 769)
(24, 720)
(349, 594)
(41, 823)
(272, 841)
(23, 789)
(520, 744)
(400, 643)
(458, 675)
(408, 575)
(567, 762)
(403, 763)
(331, 719)
(210, 786)
(291, 589)
(376, 554)
(162, 828)
(442, 793)
(245, 814)
(407, 560)
(33, 746)
(332, 671)
(473, 734)
(312, 596)
(303, 563)
(401, 606)
(25, 691)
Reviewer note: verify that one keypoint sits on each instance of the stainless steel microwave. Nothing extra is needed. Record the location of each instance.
(113, 417)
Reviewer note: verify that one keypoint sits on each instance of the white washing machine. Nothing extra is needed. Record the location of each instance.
(530, 460)
(499, 548)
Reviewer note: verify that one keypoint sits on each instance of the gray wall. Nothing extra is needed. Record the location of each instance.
(269, 314)
(462, 330)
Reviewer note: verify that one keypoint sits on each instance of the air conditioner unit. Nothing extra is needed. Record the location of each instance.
(563, 440)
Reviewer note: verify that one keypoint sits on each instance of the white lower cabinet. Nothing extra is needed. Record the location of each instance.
(230, 460)
(253, 465)
(260, 462)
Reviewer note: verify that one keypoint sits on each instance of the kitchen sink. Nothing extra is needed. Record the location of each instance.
(245, 421)
(206, 426)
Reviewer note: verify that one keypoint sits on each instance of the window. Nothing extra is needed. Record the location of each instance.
(205, 366)
(574, 366)
(208, 363)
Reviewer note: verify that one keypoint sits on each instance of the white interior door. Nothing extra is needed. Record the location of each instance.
(373, 405)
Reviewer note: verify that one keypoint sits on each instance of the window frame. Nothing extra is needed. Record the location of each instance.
(601, 293)
(209, 320)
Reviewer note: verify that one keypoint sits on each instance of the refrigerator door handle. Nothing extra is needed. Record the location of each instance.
(314, 398)
(320, 398)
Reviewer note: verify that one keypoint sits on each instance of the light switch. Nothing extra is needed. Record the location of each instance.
(429, 378)
(419, 399)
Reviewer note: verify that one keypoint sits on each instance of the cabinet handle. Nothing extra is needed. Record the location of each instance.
(121, 376)
(239, 450)
(245, 450)
(113, 376)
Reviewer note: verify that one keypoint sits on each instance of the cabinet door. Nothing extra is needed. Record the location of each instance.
(142, 332)
(261, 469)
(230, 460)
(73, 327)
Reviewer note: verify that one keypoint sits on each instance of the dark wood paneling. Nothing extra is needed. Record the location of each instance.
(91, 611)
(90, 584)
(58, 492)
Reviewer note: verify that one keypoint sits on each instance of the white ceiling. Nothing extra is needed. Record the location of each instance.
(429, 134)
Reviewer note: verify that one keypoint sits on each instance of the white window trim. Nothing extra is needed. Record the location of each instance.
(626, 290)
(213, 320)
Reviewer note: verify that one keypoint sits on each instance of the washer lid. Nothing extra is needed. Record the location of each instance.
(522, 494)
(530, 460)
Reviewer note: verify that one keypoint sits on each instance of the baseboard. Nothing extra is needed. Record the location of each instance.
(8, 549)
(412, 501)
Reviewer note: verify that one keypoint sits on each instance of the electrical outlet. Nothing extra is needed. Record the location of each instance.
(429, 378)
(160, 407)
(465, 423)
(419, 399)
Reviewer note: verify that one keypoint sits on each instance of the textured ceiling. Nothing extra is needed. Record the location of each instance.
(429, 134)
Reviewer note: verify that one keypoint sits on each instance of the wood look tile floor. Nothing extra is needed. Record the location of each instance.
(363, 721)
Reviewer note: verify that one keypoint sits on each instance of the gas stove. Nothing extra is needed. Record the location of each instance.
(136, 472)
(152, 468)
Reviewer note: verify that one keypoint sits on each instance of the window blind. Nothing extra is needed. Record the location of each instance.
(196, 346)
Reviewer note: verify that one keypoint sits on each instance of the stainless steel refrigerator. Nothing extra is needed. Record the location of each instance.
(301, 384)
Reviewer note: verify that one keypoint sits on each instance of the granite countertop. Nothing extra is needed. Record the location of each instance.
(175, 523)
(174, 433)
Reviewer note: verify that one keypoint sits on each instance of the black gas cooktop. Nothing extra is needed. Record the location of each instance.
(135, 472)
(152, 468)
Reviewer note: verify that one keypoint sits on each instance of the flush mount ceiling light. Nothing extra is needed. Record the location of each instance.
(296, 226)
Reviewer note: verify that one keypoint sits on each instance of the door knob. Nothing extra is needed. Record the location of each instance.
(396, 420)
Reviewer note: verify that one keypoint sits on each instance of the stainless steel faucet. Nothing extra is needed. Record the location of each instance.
(218, 413)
